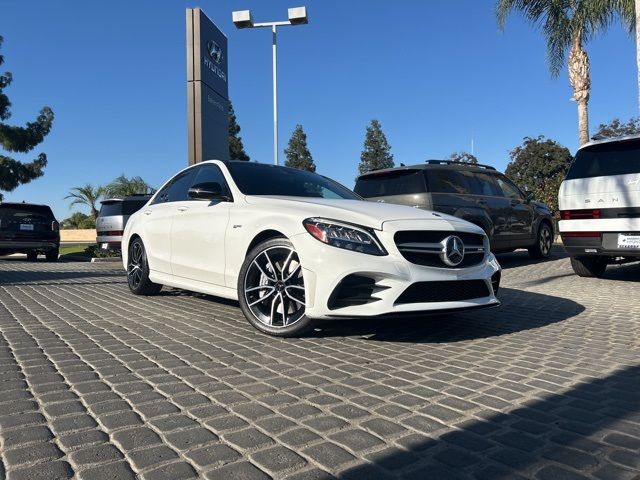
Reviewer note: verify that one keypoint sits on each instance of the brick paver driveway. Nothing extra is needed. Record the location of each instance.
(101, 384)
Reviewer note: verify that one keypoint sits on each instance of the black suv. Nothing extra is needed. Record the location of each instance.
(30, 229)
(473, 192)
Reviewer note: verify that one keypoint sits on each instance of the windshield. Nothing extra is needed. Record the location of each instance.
(261, 179)
(616, 158)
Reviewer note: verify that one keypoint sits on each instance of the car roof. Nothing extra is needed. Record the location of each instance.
(599, 141)
(140, 196)
(24, 204)
(433, 164)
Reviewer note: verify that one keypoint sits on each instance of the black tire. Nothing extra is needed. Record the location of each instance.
(589, 266)
(52, 255)
(280, 298)
(32, 256)
(544, 242)
(138, 270)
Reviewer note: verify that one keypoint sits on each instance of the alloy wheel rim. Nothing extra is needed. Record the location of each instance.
(134, 266)
(545, 240)
(274, 287)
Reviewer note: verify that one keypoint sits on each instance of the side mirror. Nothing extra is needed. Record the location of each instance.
(529, 195)
(208, 191)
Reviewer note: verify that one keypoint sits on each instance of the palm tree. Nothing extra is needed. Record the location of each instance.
(123, 187)
(568, 25)
(86, 195)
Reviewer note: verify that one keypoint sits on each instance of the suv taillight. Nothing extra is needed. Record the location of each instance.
(55, 226)
(580, 214)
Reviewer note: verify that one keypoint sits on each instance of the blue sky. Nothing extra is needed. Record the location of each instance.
(435, 74)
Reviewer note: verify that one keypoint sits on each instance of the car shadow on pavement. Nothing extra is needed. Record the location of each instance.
(521, 258)
(589, 428)
(53, 277)
(520, 310)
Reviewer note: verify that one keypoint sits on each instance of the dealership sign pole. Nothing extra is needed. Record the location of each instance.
(297, 16)
(207, 89)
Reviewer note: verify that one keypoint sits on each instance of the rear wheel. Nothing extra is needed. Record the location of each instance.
(32, 256)
(544, 241)
(589, 266)
(271, 289)
(52, 255)
(138, 270)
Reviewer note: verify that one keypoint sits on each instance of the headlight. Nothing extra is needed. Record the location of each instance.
(344, 235)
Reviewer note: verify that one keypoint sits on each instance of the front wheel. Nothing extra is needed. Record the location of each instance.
(271, 289)
(138, 270)
(544, 241)
(589, 266)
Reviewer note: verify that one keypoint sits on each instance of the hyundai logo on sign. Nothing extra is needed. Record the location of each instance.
(214, 51)
(213, 58)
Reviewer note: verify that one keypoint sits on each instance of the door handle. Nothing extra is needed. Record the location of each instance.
(147, 212)
(183, 209)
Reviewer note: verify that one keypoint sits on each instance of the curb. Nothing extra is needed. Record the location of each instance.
(106, 259)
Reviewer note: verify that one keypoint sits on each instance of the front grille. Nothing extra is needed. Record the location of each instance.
(423, 247)
(449, 291)
(354, 290)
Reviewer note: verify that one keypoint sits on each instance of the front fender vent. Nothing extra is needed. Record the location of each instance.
(354, 290)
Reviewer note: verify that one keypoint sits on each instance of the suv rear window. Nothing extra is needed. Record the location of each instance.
(15, 214)
(129, 207)
(385, 184)
(616, 158)
(110, 209)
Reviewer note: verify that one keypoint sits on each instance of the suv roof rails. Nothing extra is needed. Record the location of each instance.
(459, 164)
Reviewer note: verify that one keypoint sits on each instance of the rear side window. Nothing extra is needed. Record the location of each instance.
(616, 158)
(398, 182)
(448, 181)
(110, 209)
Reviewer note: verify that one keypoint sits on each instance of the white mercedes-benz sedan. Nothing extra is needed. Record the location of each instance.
(293, 246)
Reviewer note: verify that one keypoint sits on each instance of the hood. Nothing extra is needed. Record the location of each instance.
(361, 212)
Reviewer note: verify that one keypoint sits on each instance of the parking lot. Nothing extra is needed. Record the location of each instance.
(98, 383)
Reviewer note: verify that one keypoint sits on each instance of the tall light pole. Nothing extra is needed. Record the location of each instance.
(297, 16)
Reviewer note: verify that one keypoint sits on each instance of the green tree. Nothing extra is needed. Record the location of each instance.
(236, 148)
(615, 128)
(20, 140)
(567, 26)
(463, 157)
(297, 152)
(377, 151)
(86, 195)
(540, 165)
(78, 220)
(123, 187)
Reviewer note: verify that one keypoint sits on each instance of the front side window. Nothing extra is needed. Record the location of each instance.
(262, 179)
(176, 190)
(210, 174)
(509, 190)
(483, 184)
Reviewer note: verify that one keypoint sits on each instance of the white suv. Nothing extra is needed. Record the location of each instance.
(600, 205)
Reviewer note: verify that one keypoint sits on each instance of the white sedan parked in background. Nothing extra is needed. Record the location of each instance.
(292, 246)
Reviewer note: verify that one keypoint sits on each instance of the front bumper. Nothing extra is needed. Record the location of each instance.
(325, 267)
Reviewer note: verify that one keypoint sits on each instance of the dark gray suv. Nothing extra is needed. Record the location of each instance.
(476, 193)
